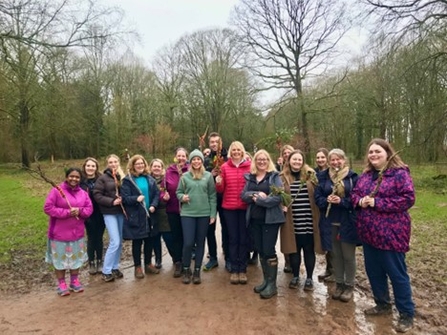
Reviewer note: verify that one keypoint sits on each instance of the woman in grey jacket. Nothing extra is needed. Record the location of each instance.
(264, 216)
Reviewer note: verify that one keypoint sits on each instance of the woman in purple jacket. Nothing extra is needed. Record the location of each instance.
(383, 195)
(172, 178)
(68, 206)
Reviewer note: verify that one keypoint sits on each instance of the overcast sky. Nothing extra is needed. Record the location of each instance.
(160, 22)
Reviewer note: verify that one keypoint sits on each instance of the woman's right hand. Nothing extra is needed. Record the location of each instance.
(185, 198)
(166, 196)
(140, 198)
(117, 201)
(218, 179)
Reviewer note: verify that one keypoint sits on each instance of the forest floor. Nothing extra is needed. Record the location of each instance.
(161, 304)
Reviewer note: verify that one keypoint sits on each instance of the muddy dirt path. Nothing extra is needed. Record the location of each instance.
(161, 304)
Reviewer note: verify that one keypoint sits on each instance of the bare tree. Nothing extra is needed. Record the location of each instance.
(290, 41)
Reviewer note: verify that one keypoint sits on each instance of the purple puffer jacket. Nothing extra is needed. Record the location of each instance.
(170, 184)
(62, 226)
(386, 226)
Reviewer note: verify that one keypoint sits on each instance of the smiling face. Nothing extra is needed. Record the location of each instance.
(180, 157)
(196, 163)
(377, 156)
(321, 160)
(113, 163)
(139, 166)
(214, 143)
(156, 169)
(336, 162)
(90, 168)
(285, 154)
(296, 162)
(262, 162)
(236, 153)
(73, 179)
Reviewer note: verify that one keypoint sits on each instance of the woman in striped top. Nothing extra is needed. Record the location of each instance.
(300, 232)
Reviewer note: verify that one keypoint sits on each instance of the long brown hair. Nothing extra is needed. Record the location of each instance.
(97, 172)
(306, 170)
(394, 162)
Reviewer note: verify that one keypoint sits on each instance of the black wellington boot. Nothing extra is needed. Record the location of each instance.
(262, 286)
(272, 272)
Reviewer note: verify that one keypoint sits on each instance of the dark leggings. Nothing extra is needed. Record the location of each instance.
(177, 236)
(156, 247)
(95, 233)
(136, 251)
(305, 243)
(194, 234)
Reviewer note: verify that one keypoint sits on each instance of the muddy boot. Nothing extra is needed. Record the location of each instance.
(186, 275)
(261, 287)
(347, 294)
(92, 268)
(329, 269)
(177, 269)
(196, 277)
(339, 288)
(271, 272)
(99, 265)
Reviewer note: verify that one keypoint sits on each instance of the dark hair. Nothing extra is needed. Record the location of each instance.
(70, 170)
(213, 134)
(324, 151)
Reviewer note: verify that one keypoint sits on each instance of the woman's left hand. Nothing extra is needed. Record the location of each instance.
(261, 195)
(151, 209)
(212, 220)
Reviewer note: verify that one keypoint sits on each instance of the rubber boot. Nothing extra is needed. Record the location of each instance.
(271, 272)
(329, 269)
(261, 287)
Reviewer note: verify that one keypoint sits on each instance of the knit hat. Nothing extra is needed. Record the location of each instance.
(196, 153)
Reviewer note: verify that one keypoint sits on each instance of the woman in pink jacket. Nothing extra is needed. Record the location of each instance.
(231, 182)
(68, 206)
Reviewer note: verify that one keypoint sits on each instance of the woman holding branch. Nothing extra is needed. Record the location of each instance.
(68, 206)
(140, 198)
(107, 195)
(383, 196)
(337, 221)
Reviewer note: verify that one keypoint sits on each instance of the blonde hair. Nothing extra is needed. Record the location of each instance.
(197, 173)
(238, 145)
(306, 170)
(131, 165)
(254, 169)
(119, 170)
(157, 160)
(284, 148)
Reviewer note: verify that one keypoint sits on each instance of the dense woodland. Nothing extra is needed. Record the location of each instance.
(71, 87)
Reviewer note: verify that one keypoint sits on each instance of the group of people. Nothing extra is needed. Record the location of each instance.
(328, 210)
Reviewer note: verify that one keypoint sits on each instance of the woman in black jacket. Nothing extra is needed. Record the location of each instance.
(140, 198)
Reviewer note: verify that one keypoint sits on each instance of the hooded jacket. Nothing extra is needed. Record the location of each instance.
(62, 226)
(105, 192)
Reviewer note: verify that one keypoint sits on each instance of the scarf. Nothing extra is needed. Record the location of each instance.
(337, 178)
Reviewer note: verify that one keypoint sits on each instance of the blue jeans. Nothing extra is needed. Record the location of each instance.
(194, 234)
(238, 239)
(114, 226)
(383, 264)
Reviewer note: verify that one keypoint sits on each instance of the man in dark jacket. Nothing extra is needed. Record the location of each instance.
(213, 162)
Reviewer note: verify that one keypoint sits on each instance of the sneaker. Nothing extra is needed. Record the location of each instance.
(138, 273)
(108, 277)
(117, 274)
(294, 283)
(243, 278)
(99, 266)
(151, 269)
(347, 294)
(212, 263)
(404, 324)
(158, 264)
(76, 286)
(63, 290)
(234, 278)
(379, 309)
(196, 277)
(309, 285)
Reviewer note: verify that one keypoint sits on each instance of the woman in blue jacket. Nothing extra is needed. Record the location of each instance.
(337, 221)
(264, 217)
(140, 198)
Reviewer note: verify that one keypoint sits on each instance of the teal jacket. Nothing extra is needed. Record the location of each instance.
(202, 195)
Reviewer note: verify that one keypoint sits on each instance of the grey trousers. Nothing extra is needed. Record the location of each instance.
(343, 259)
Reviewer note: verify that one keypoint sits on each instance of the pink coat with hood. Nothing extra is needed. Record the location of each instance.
(62, 226)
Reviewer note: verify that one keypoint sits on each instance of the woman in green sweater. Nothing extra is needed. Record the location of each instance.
(197, 195)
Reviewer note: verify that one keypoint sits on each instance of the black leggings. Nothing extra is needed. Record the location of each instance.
(136, 251)
(95, 232)
(305, 243)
